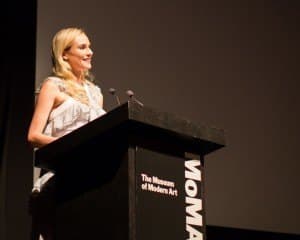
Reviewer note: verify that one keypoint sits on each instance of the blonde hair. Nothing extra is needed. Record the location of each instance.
(62, 41)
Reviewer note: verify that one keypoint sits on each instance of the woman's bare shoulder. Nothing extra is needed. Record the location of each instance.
(52, 83)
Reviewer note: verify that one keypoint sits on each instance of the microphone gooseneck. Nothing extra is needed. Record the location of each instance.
(131, 96)
(112, 91)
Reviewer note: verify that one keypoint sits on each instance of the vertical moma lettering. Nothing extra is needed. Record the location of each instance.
(194, 220)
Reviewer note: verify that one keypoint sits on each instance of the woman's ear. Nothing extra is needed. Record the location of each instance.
(65, 57)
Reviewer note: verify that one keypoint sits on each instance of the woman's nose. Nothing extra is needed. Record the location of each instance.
(90, 52)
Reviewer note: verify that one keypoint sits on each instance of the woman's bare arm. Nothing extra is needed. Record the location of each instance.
(44, 106)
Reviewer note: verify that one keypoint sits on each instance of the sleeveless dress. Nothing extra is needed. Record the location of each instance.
(70, 115)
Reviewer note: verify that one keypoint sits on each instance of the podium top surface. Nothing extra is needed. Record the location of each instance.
(139, 125)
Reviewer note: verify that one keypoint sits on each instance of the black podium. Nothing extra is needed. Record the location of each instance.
(133, 174)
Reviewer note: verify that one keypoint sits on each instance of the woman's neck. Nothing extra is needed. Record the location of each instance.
(79, 78)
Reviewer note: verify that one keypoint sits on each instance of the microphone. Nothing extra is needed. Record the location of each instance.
(131, 97)
(113, 92)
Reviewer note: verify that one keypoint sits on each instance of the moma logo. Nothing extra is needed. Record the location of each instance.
(193, 204)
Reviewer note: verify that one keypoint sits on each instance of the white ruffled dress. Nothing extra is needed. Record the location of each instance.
(68, 116)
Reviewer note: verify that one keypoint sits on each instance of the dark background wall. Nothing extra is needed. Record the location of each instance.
(229, 64)
(16, 104)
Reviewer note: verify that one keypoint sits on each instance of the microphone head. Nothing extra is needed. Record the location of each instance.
(112, 91)
(129, 93)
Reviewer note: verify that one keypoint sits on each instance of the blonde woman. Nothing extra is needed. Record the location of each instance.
(66, 101)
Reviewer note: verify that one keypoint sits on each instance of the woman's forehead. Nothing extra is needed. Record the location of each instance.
(82, 38)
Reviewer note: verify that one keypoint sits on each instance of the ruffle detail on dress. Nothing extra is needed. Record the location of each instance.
(70, 115)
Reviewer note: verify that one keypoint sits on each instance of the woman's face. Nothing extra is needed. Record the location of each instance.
(79, 56)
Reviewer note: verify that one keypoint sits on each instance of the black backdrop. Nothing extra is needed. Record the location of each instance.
(18, 36)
